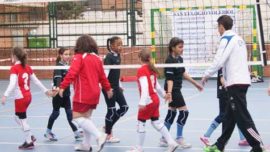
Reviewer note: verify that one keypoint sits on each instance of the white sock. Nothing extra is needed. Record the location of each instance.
(141, 139)
(86, 139)
(165, 133)
(160, 127)
(88, 126)
(141, 133)
(26, 130)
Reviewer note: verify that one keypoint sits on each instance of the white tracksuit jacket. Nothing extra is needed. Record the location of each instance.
(232, 58)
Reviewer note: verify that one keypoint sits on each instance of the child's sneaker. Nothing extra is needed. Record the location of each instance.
(243, 143)
(51, 136)
(172, 147)
(26, 146)
(112, 139)
(205, 140)
(163, 142)
(82, 147)
(101, 141)
(78, 135)
(211, 149)
(135, 149)
(183, 144)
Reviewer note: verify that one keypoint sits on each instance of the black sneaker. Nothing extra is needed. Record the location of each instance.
(27, 146)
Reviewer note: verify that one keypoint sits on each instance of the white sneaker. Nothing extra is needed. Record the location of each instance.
(112, 139)
(182, 143)
(82, 147)
(51, 136)
(135, 149)
(101, 141)
(172, 147)
(163, 142)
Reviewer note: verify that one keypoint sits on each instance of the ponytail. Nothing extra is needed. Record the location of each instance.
(152, 67)
(20, 54)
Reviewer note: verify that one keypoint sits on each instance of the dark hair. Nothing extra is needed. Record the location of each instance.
(20, 54)
(111, 41)
(61, 51)
(86, 43)
(174, 42)
(226, 21)
(145, 56)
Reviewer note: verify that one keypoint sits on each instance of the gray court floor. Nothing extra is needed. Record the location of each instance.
(203, 108)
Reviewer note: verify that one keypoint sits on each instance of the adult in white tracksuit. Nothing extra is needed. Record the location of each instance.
(232, 58)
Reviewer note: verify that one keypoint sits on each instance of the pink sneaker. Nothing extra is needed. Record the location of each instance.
(243, 143)
(205, 140)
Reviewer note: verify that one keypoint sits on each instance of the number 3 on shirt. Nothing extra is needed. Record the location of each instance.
(25, 77)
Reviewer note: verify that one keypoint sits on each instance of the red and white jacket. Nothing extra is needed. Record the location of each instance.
(86, 72)
(148, 86)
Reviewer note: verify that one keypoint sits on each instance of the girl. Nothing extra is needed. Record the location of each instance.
(149, 102)
(86, 72)
(222, 95)
(19, 84)
(58, 102)
(114, 46)
(173, 85)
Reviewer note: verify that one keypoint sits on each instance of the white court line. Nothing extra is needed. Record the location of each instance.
(111, 146)
(121, 129)
(103, 117)
(205, 89)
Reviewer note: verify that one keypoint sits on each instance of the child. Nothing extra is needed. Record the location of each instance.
(149, 102)
(114, 46)
(173, 85)
(223, 99)
(58, 102)
(19, 84)
(86, 72)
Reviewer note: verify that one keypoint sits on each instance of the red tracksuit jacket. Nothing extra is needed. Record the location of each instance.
(86, 72)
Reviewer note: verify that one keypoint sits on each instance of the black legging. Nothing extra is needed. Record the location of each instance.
(59, 102)
(113, 115)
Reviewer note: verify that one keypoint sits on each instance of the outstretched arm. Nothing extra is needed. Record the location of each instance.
(195, 83)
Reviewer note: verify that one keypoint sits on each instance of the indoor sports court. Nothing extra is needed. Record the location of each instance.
(42, 27)
(203, 108)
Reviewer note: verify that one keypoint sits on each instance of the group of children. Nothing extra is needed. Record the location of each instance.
(87, 74)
